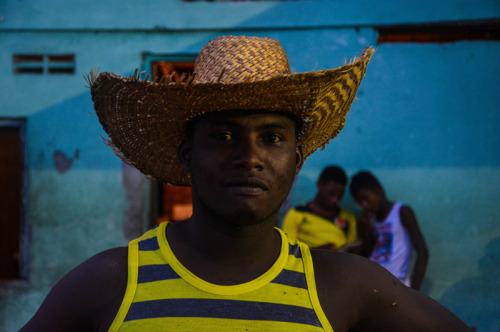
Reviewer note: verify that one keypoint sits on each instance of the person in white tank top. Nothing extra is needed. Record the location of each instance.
(392, 247)
(389, 231)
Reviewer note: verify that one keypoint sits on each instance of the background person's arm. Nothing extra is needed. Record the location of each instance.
(409, 221)
(365, 231)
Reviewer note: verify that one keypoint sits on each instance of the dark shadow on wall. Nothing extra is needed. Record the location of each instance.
(476, 300)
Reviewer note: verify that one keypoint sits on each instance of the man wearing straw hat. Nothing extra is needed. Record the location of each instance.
(238, 132)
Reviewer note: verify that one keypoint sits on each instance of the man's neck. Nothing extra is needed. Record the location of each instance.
(224, 253)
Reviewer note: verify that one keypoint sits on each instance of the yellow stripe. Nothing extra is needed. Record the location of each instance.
(151, 258)
(311, 285)
(294, 264)
(133, 266)
(176, 289)
(184, 324)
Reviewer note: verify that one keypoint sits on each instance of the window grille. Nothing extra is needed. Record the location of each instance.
(39, 64)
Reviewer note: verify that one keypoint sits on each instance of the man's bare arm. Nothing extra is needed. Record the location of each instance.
(359, 295)
(85, 299)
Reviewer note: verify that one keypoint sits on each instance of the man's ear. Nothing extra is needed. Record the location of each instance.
(299, 158)
(184, 154)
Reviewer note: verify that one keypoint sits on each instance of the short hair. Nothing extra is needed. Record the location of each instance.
(364, 180)
(333, 173)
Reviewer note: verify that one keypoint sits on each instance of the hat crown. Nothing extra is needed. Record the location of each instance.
(238, 59)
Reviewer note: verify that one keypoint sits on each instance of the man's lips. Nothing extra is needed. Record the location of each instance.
(246, 185)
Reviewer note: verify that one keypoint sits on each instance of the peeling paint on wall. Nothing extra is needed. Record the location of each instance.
(63, 163)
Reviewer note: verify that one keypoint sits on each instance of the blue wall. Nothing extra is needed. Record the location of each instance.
(424, 123)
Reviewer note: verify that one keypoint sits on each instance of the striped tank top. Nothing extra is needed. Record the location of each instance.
(162, 295)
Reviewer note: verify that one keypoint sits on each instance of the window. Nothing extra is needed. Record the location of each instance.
(164, 68)
(440, 32)
(235, 0)
(172, 203)
(13, 239)
(175, 203)
(43, 64)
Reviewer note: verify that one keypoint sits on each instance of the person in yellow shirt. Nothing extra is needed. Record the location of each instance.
(322, 223)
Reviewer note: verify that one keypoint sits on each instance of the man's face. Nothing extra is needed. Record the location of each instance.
(330, 194)
(242, 164)
(369, 200)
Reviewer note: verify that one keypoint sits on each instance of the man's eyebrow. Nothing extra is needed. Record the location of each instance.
(275, 125)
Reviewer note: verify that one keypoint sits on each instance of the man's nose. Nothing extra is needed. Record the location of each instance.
(248, 155)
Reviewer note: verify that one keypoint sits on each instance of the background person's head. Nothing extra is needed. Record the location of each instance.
(331, 187)
(367, 191)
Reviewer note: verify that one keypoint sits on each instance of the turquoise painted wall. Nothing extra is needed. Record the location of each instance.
(424, 122)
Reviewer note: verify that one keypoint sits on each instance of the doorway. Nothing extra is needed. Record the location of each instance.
(173, 203)
(13, 240)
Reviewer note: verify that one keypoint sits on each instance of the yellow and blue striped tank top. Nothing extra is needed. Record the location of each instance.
(162, 295)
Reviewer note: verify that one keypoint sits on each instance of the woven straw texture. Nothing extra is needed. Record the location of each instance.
(146, 120)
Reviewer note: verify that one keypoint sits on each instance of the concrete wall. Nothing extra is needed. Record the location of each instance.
(424, 122)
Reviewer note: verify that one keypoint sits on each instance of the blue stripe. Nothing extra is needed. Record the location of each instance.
(225, 309)
(149, 244)
(294, 250)
(291, 278)
(149, 273)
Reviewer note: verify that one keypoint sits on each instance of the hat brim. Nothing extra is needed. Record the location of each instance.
(145, 121)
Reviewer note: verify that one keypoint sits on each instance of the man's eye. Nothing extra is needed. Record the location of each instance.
(273, 138)
(224, 136)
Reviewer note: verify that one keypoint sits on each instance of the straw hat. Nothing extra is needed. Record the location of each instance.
(146, 120)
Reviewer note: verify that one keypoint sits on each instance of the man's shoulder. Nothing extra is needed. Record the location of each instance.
(338, 271)
(404, 208)
(345, 277)
(355, 292)
(406, 215)
(104, 274)
(329, 261)
(113, 260)
(95, 287)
